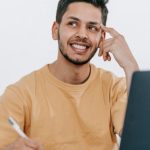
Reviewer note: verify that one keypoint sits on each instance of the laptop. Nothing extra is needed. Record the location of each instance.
(136, 130)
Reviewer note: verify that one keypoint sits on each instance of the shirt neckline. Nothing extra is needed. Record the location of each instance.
(75, 87)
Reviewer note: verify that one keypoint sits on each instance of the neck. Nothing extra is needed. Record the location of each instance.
(70, 73)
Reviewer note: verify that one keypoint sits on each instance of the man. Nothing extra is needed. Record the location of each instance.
(70, 104)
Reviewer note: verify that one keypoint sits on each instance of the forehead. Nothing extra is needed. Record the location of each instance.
(83, 11)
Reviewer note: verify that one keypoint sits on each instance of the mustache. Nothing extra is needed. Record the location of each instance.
(77, 38)
(80, 40)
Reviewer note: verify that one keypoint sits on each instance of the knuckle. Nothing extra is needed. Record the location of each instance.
(120, 36)
(115, 40)
(111, 29)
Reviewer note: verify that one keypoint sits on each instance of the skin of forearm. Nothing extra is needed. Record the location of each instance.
(129, 72)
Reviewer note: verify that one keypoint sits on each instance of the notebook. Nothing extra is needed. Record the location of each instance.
(136, 130)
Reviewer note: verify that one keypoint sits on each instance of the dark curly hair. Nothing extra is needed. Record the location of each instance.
(63, 5)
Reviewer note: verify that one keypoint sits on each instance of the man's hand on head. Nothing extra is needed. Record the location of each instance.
(118, 46)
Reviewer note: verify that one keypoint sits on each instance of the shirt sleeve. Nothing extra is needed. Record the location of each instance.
(119, 102)
(11, 104)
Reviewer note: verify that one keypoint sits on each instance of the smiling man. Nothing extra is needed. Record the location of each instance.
(78, 35)
(71, 104)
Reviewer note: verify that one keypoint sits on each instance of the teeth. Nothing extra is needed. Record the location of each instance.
(79, 46)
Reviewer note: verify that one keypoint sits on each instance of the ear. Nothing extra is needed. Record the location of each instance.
(103, 35)
(55, 28)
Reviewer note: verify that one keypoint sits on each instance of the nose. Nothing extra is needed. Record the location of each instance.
(82, 33)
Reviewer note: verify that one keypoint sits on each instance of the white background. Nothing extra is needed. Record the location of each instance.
(26, 43)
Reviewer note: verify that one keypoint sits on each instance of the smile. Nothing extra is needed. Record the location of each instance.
(80, 48)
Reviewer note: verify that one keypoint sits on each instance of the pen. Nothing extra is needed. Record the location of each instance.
(16, 127)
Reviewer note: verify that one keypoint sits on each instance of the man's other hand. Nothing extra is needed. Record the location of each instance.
(23, 144)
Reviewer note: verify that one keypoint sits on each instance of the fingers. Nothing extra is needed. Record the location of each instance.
(21, 144)
(107, 45)
(117, 46)
(31, 144)
(106, 56)
(104, 49)
(111, 31)
(34, 144)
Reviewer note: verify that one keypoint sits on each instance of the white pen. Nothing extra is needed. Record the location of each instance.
(14, 124)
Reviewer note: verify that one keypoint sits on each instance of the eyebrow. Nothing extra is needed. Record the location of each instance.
(90, 22)
(74, 18)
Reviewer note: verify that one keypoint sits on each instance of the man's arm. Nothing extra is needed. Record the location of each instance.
(12, 104)
(121, 52)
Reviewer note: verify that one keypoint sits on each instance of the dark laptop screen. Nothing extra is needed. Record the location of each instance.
(136, 131)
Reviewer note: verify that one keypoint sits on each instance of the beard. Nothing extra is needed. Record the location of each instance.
(72, 60)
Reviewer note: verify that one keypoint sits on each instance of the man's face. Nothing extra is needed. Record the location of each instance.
(79, 32)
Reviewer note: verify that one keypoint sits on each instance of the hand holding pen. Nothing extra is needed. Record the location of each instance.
(23, 143)
(16, 127)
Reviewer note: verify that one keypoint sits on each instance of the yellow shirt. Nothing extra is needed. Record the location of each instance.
(64, 116)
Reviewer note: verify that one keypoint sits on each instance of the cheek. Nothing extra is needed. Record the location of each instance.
(65, 36)
(98, 39)
(66, 32)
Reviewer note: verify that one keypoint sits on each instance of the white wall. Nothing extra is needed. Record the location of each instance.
(26, 43)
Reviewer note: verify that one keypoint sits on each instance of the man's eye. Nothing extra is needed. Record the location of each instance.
(93, 28)
(73, 24)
